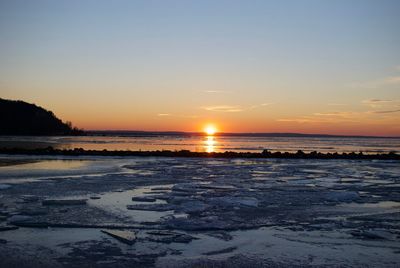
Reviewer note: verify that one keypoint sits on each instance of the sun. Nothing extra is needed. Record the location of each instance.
(210, 130)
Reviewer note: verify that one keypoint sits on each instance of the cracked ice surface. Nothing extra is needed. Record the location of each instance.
(210, 212)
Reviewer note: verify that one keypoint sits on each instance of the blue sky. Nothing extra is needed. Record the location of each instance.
(306, 66)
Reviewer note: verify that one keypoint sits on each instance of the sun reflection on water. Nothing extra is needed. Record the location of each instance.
(210, 144)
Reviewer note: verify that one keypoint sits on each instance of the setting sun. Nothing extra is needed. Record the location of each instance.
(210, 130)
(199, 119)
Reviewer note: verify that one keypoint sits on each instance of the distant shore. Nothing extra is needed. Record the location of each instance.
(186, 153)
(138, 133)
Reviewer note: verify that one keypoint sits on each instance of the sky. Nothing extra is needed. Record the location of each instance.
(314, 66)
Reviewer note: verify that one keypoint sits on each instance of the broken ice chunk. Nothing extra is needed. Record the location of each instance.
(127, 237)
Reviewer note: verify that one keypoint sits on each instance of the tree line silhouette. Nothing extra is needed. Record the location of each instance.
(22, 118)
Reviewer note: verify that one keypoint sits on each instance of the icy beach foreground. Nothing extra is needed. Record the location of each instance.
(187, 212)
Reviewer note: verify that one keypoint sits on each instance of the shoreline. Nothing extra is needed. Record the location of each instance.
(186, 153)
(189, 212)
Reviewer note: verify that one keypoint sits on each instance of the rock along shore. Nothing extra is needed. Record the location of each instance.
(186, 153)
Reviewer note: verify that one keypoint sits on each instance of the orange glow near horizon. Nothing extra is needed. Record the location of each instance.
(210, 129)
(154, 68)
(373, 128)
(95, 117)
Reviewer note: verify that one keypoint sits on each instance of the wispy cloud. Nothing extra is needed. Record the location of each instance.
(375, 101)
(260, 105)
(385, 112)
(339, 116)
(392, 80)
(234, 108)
(304, 119)
(381, 103)
(224, 108)
(379, 82)
(297, 120)
(336, 114)
(325, 117)
(175, 115)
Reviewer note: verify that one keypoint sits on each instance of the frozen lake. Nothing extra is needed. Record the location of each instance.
(199, 212)
(201, 143)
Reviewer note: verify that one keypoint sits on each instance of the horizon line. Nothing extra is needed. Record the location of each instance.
(200, 133)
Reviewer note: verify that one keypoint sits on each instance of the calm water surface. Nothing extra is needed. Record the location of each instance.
(208, 143)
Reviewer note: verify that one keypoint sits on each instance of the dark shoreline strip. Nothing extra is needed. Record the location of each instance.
(186, 153)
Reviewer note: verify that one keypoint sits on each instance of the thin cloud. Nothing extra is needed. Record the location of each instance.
(329, 117)
(385, 112)
(259, 105)
(266, 104)
(337, 117)
(182, 116)
(297, 120)
(304, 119)
(386, 81)
(375, 101)
(392, 80)
(309, 119)
(224, 108)
(335, 114)
(188, 116)
(234, 109)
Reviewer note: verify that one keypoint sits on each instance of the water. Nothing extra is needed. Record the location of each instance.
(198, 143)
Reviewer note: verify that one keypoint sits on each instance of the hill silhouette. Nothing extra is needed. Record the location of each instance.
(22, 118)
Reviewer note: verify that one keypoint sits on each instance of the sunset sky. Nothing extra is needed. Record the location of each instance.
(245, 66)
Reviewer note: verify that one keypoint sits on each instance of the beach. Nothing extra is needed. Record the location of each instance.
(199, 134)
(191, 212)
